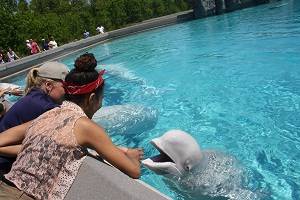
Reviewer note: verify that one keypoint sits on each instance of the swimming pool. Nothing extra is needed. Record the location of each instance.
(232, 81)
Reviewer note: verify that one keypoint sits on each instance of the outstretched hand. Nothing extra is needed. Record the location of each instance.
(12, 91)
(134, 154)
(16, 91)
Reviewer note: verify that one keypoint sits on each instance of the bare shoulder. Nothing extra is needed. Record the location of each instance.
(84, 124)
(85, 129)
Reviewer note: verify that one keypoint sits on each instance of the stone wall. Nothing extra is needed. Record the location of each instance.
(205, 8)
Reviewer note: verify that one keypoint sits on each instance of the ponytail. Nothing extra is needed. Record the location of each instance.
(33, 80)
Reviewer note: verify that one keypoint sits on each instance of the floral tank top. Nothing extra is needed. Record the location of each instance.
(50, 157)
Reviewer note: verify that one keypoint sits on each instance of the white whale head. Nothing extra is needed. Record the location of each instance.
(179, 153)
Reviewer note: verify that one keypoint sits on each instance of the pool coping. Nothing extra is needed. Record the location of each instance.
(98, 180)
(9, 70)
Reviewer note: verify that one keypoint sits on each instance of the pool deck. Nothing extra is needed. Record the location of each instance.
(22, 65)
(97, 180)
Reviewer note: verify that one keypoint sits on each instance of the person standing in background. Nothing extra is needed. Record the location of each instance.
(28, 46)
(45, 45)
(11, 55)
(100, 30)
(34, 47)
(52, 44)
(86, 34)
(1, 56)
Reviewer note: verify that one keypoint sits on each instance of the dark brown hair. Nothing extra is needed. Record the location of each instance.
(83, 73)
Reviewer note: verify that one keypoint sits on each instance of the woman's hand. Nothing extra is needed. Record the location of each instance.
(14, 91)
(135, 154)
(17, 92)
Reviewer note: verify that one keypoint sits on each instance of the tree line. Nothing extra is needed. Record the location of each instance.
(66, 20)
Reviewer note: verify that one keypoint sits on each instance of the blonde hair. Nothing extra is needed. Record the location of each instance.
(33, 80)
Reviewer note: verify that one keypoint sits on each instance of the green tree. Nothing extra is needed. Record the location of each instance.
(118, 13)
(147, 9)
(23, 6)
(134, 10)
(7, 31)
(8, 5)
(158, 8)
(102, 13)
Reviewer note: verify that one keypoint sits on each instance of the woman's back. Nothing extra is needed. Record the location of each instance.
(51, 155)
(27, 108)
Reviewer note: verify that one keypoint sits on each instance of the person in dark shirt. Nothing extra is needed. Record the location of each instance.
(45, 45)
(44, 91)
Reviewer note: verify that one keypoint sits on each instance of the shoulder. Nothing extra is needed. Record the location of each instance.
(83, 128)
(86, 131)
(37, 99)
(84, 124)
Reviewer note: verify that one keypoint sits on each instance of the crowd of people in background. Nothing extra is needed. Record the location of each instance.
(7, 57)
(33, 47)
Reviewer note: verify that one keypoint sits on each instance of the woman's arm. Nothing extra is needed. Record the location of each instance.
(10, 151)
(91, 135)
(13, 136)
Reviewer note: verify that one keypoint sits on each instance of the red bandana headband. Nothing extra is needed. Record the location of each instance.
(84, 89)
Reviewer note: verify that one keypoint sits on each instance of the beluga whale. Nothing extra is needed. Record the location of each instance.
(196, 173)
(127, 119)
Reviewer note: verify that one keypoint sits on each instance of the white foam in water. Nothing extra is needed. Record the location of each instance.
(128, 76)
(122, 72)
(219, 178)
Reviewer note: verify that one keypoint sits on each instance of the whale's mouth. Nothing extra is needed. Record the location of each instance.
(162, 163)
(162, 157)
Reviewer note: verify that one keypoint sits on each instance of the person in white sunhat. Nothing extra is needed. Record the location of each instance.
(100, 30)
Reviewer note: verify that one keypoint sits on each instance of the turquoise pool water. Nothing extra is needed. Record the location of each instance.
(232, 81)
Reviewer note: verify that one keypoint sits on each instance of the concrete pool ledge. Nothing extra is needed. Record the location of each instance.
(97, 180)
(22, 65)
